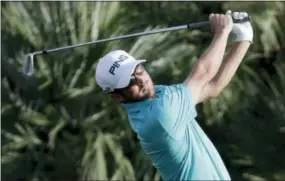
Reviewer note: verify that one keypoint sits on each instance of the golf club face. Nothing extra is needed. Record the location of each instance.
(28, 68)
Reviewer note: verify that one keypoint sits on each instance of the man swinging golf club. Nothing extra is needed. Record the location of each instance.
(163, 117)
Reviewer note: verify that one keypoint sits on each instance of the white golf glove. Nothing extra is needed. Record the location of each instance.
(242, 31)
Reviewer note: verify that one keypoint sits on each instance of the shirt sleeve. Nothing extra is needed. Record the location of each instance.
(177, 109)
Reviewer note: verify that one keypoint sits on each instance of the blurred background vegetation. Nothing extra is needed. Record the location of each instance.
(58, 125)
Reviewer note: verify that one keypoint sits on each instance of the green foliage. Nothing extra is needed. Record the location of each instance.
(59, 125)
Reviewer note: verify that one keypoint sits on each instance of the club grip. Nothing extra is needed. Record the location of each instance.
(246, 19)
(200, 24)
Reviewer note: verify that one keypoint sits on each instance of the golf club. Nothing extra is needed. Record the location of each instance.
(28, 68)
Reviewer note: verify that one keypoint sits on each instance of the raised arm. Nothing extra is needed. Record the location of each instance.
(209, 63)
(226, 71)
(229, 66)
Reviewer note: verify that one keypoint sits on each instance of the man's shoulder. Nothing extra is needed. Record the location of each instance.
(171, 88)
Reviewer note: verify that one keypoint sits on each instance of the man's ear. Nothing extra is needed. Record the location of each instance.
(117, 97)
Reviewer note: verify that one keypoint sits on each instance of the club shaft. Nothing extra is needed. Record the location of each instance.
(189, 26)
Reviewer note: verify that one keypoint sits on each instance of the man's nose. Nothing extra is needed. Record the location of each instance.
(140, 79)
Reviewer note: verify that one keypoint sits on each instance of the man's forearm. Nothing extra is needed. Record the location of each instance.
(212, 58)
(229, 66)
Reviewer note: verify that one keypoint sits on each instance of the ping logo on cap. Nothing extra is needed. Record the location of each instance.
(116, 63)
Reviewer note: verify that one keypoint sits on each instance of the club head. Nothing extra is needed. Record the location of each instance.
(28, 68)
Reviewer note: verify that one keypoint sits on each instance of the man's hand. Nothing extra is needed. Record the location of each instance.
(242, 31)
(209, 63)
(221, 23)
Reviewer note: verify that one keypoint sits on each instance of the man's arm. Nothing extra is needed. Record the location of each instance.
(209, 63)
(203, 88)
(226, 71)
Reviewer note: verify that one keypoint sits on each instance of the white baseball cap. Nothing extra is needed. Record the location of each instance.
(114, 70)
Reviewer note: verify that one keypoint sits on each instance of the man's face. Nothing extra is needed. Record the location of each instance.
(140, 88)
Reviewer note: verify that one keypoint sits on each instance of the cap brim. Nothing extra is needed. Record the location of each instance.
(125, 79)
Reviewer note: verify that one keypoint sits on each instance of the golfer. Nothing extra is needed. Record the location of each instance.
(163, 116)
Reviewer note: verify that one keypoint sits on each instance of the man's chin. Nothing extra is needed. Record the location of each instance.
(152, 92)
(144, 97)
(149, 95)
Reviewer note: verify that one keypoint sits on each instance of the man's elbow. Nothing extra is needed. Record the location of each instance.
(207, 93)
(214, 94)
(215, 91)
